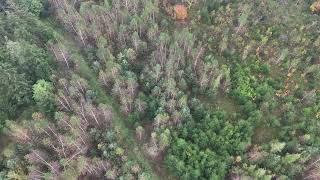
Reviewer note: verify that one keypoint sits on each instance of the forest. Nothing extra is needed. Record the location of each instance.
(159, 89)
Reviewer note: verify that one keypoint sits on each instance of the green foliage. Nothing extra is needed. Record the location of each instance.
(204, 149)
(291, 158)
(243, 83)
(30, 59)
(3, 118)
(187, 161)
(23, 60)
(277, 147)
(43, 94)
(14, 89)
(165, 139)
(33, 6)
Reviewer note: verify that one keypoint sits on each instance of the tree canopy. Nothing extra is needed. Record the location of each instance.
(159, 89)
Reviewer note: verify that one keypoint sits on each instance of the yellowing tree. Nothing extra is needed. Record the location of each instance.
(315, 7)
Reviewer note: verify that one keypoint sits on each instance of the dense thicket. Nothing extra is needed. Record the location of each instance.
(230, 92)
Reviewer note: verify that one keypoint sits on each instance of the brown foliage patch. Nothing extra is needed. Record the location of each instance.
(315, 7)
(180, 12)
